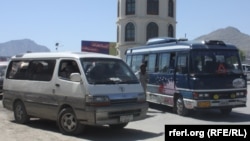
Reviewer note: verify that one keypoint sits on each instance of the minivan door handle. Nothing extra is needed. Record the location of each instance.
(58, 85)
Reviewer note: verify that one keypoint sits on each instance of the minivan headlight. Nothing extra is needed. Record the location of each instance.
(97, 100)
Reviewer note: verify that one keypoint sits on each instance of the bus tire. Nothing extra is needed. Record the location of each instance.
(180, 107)
(68, 123)
(20, 113)
(226, 111)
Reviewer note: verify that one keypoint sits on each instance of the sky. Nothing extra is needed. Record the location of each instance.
(68, 22)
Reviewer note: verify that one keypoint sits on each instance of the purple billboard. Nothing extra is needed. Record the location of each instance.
(96, 46)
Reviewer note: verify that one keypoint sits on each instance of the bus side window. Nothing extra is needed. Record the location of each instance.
(164, 61)
(151, 63)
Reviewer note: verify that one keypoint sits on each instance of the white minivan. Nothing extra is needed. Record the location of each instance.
(73, 89)
(3, 66)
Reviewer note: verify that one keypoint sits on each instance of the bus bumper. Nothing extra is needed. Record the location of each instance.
(207, 104)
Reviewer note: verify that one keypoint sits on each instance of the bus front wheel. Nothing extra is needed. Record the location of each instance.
(180, 107)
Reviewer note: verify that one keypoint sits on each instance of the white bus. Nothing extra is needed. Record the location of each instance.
(73, 89)
(191, 75)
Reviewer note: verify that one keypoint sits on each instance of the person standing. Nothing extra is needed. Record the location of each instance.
(143, 76)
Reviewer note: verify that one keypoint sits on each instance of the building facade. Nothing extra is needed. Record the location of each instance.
(140, 20)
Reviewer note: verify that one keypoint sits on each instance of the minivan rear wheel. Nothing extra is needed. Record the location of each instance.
(68, 123)
(20, 113)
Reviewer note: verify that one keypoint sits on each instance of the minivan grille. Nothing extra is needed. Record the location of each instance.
(123, 101)
(128, 112)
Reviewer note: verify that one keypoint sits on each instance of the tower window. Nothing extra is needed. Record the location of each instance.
(170, 31)
(152, 7)
(130, 7)
(152, 30)
(171, 8)
(130, 32)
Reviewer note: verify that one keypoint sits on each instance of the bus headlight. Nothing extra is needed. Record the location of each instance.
(200, 95)
(97, 100)
(241, 94)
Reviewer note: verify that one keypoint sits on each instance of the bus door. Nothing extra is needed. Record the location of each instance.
(181, 71)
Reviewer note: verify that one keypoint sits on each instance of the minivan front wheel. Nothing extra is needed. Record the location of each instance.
(68, 123)
(20, 113)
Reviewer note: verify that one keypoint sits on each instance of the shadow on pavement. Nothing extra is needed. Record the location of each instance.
(97, 133)
(213, 115)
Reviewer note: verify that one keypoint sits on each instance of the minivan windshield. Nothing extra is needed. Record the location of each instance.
(215, 61)
(107, 71)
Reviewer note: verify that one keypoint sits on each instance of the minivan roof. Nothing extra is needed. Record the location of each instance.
(62, 55)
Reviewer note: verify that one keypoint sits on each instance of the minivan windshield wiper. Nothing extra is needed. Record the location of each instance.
(129, 82)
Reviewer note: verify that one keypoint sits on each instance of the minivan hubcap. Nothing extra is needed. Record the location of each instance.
(68, 122)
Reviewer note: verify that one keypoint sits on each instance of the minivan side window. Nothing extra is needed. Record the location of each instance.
(36, 70)
(66, 68)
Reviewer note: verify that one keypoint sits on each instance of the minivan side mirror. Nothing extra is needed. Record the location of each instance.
(75, 77)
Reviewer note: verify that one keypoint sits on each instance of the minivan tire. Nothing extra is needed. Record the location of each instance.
(68, 123)
(20, 113)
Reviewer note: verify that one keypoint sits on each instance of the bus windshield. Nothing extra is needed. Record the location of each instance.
(214, 61)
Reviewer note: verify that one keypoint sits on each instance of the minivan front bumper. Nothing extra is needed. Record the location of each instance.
(112, 114)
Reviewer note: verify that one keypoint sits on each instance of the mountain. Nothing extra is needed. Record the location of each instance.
(229, 35)
(15, 47)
